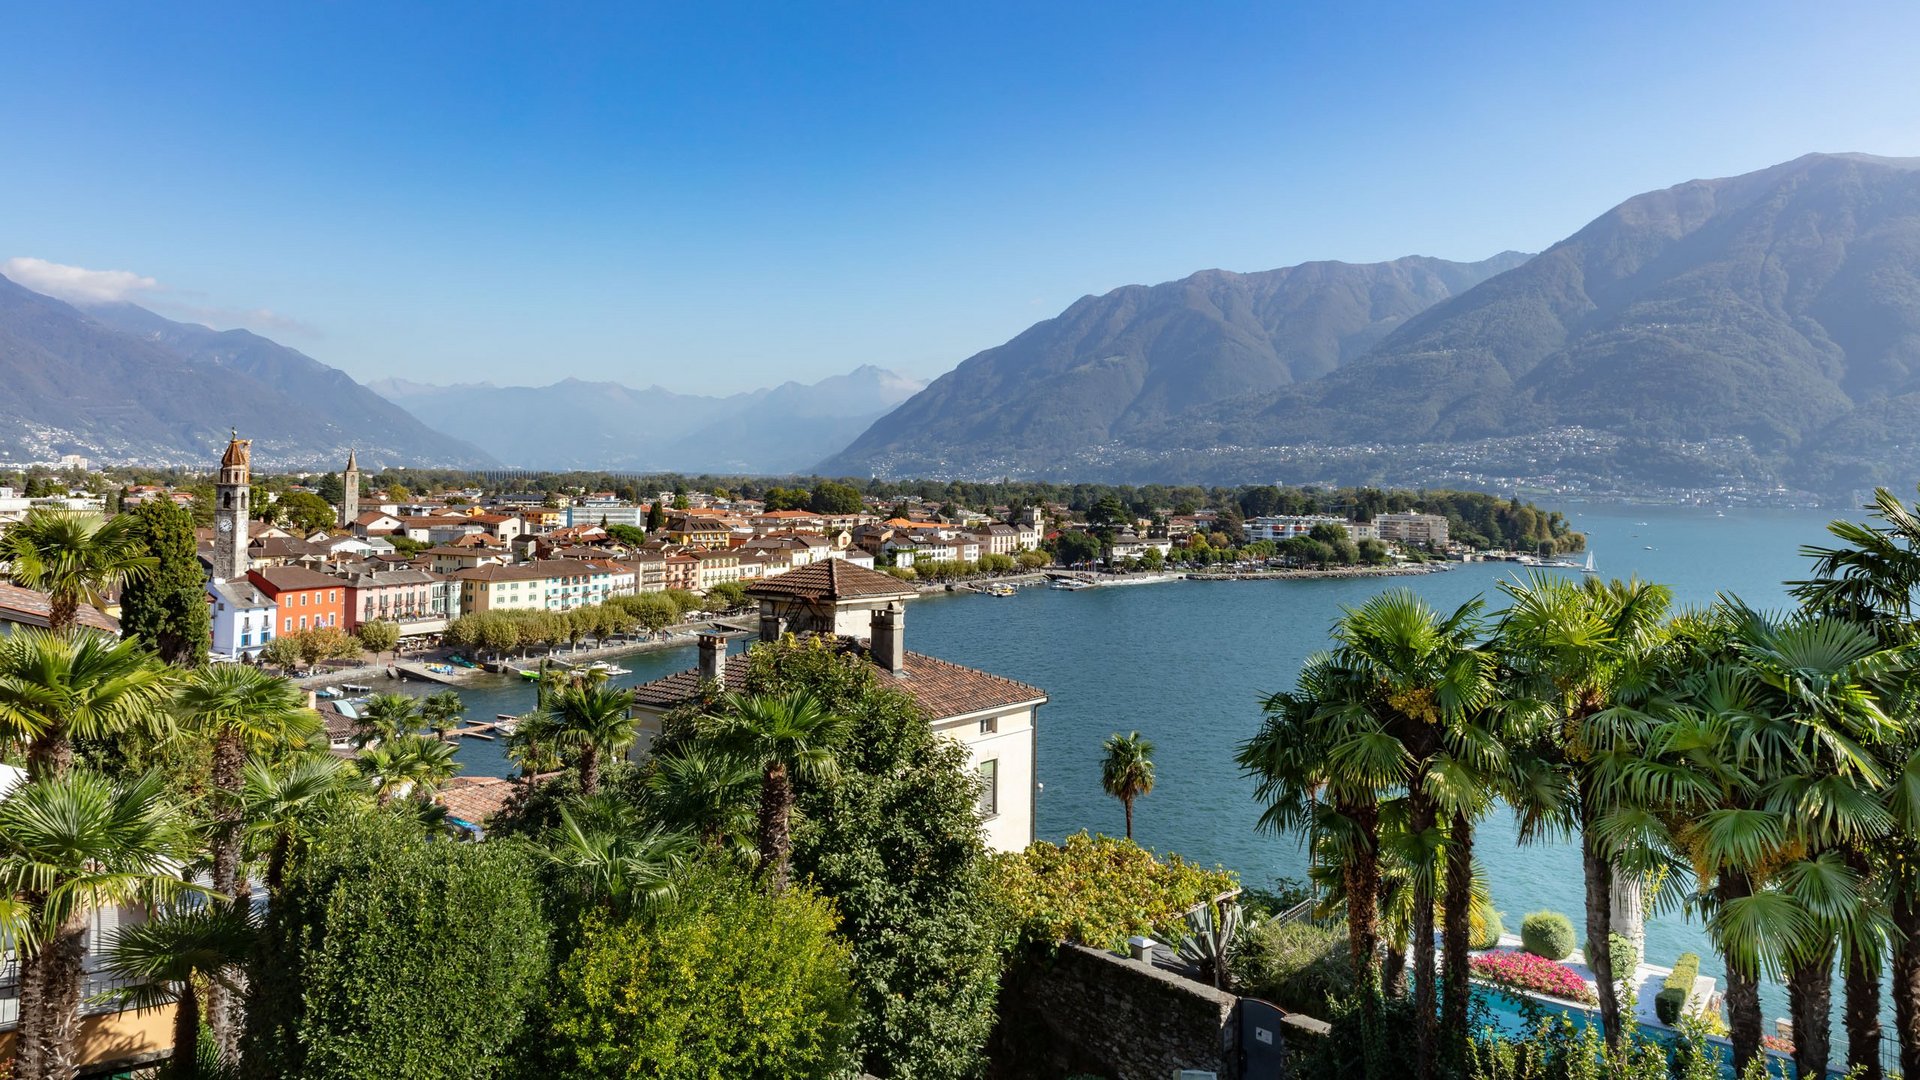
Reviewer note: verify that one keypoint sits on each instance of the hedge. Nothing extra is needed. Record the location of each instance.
(1672, 997)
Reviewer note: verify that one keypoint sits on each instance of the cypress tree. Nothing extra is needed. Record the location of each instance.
(168, 607)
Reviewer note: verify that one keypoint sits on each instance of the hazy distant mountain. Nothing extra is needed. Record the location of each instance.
(76, 381)
(604, 425)
(1781, 307)
(1758, 327)
(1128, 361)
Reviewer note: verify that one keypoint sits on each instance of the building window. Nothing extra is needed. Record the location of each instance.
(303, 622)
(989, 725)
(990, 787)
(303, 599)
(289, 626)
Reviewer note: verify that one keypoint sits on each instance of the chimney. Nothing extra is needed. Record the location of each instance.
(889, 638)
(771, 626)
(713, 657)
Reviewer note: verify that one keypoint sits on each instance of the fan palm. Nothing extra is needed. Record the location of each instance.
(710, 793)
(442, 712)
(531, 745)
(784, 736)
(385, 717)
(71, 845)
(73, 556)
(1126, 772)
(1581, 649)
(596, 721)
(414, 765)
(163, 959)
(282, 801)
(613, 861)
(1870, 578)
(56, 687)
(1321, 770)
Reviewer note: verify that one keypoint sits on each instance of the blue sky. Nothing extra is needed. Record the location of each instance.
(717, 197)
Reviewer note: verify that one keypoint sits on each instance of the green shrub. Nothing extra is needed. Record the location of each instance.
(1099, 891)
(722, 980)
(1548, 934)
(1301, 966)
(1673, 993)
(1490, 929)
(1624, 957)
(391, 955)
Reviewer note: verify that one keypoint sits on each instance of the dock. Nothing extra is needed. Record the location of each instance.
(476, 731)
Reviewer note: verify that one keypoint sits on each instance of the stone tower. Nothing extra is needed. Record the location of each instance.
(230, 510)
(350, 490)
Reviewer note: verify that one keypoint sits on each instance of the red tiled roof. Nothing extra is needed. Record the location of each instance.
(940, 689)
(280, 579)
(475, 798)
(832, 579)
(30, 608)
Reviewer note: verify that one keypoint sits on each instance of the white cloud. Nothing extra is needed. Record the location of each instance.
(77, 284)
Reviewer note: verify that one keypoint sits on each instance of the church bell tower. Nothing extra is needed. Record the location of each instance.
(350, 491)
(230, 511)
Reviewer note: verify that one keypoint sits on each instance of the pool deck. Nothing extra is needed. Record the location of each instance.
(1647, 982)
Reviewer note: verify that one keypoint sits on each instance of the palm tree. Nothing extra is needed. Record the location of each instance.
(412, 765)
(165, 958)
(442, 712)
(597, 721)
(710, 793)
(1580, 649)
(784, 736)
(1870, 578)
(70, 845)
(56, 687)
(1322, 768)
(531, 746)
(282, 802)
(613, 861)
(385, 717)
(73, 556)
(241, 710)
(1126, 773)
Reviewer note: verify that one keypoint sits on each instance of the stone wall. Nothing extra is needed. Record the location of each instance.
(1087, 1011)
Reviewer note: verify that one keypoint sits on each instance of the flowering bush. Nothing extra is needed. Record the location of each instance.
(1536, 974)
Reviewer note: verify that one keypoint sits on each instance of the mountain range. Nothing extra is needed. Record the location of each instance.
(1766, 323)
(784, 429)
(119, 384)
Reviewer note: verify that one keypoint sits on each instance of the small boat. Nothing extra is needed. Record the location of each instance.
(610, 669)
(329, 693)
(1588, 569)
(506, 723)
(1649, 547)
(356, 688)
(529, 674)
(1001, 589)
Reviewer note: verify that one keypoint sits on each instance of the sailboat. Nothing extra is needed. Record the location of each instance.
(1588, 569)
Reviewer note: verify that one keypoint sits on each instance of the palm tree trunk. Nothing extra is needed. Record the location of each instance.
(1362, 874)
(1906, 980)
(1599, 878)
(1393, 971)
(186, 1033)
(228, 758)
(1863, 1017)
(1128, 803)
(1456, 934)
(1810, 1004)
(1421, 820)
(62, 608)
(590, 771)
(50, 1005)
(1743, 985)
(49, 755)
(776, 808)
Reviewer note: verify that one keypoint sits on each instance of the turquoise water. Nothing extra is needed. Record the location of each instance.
(1187, 663)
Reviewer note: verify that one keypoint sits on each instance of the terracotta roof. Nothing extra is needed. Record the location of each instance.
(282, 578)
(29, 608)
(940, 689)
(832, 579)
(475, 798)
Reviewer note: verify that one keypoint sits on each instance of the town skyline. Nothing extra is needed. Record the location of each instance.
(604, 196)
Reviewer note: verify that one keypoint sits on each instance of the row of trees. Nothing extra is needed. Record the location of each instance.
(503, 631)
(1756, 770)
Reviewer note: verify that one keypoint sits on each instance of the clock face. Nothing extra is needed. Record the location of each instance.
(226, 525)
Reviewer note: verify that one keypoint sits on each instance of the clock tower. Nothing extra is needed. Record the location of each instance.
(230, 510)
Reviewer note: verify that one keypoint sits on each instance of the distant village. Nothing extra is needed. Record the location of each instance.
(421, 561)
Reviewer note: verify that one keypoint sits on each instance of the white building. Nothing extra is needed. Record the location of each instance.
(1279, 527)
(1410, 528)
(242, 618)
(865, 613)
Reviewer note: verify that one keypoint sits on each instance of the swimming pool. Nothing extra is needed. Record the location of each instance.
(1504, 1011)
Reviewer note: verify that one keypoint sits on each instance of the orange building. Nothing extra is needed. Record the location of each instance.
(304, 599)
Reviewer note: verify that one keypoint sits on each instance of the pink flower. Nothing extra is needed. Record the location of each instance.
(1536, 974)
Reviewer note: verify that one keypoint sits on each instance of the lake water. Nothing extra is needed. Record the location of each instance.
(1187, 664)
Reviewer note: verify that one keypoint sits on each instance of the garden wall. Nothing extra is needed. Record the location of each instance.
(1087, 1011)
